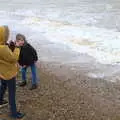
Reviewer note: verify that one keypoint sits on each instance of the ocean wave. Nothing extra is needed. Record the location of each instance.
(100, 43)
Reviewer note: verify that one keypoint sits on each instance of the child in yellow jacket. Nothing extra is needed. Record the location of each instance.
(8, 72)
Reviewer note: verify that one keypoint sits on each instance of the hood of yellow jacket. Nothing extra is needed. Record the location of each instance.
(4, 34)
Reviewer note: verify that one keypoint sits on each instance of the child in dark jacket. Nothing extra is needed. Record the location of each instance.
(27, 58)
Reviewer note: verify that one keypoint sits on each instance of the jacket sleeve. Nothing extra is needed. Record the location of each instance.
(20, 59)
(34, 52)
(16, 53)
(10, 56)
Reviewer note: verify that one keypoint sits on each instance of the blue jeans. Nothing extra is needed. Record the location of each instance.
(11, 84)
(33, 70)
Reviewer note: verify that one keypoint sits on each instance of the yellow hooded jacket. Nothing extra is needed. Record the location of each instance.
(8, 59)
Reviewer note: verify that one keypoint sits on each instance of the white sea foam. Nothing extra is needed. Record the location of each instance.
(81, 26)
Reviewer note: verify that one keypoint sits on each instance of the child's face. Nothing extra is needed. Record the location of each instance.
(20, 41)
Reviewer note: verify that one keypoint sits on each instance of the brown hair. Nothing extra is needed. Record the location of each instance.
(21, 35)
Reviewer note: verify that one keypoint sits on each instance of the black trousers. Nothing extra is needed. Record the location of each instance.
(11, 84)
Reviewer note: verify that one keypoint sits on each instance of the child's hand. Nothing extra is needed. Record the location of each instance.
(18, 65)
(24, 66)
(17, 44)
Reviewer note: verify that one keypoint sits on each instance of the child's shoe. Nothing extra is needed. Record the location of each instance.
(3, 103)
(34, 86)
(23, 83)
